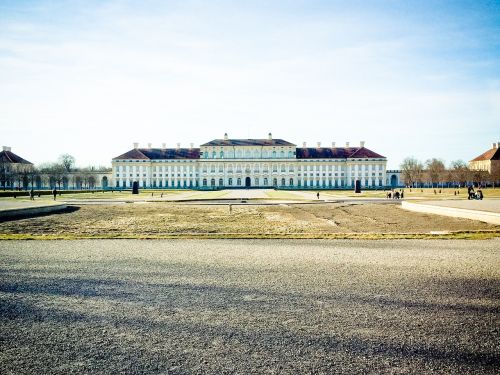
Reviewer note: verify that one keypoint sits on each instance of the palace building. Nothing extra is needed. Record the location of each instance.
(250, 163)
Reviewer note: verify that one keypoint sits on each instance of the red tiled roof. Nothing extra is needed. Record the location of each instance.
(337, 153)
(248, 142)
(160, 154)
(10, 157)
(492, 154)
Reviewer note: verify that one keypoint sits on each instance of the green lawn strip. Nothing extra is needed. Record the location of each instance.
(465, 235)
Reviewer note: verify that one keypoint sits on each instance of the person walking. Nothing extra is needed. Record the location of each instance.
(32, 195)
(317, 194)
(54, 193)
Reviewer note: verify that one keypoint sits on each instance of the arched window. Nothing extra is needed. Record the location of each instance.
(256, 181)
(230, 181)
(283, 183)
(221, 182)
(274, 154)
(290, 154)
(282, 154)
(214, 154)
(212, 182)
(291, 182)
(204, 182)
(222, 154)
(275, 182)
(265, 181)
(238, 181)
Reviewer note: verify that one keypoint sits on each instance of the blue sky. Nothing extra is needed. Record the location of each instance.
(90, 77)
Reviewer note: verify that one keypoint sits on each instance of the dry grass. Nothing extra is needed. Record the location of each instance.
(157, 220)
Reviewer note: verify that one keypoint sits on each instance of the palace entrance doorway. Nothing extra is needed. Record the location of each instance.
(247, 182)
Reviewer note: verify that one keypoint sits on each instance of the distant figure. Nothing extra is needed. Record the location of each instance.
(470, 192)
(161, 195)
(455, 192)
(32, 195)
(317, 194)
(389, 195)
(54, 193)
(151, 194)
(435, 191)
(402, 194)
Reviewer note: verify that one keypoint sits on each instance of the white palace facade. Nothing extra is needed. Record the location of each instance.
(250, 163)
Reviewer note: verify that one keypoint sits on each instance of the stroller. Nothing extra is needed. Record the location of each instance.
(478, 195)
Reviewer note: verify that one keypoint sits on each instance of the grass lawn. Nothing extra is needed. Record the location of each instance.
(168, 220)
(283, 194)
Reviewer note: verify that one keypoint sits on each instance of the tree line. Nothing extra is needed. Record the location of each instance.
(61, 174)
(434, 173)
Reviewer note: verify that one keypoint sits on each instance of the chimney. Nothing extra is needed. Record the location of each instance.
(191, 145)
(333, 144)
(347, 144)
(225, 137)
(269, 136)
(136, 145)
(163, 146)
(494, 145)
(6, 148)
(319, 144)
(304, 144)
(178, 145)
(149, 145)
(362, 144)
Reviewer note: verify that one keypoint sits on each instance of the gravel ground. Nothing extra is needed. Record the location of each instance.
(165, 218)
(249, 307)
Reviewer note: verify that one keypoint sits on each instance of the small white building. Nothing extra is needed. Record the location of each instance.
(250, 163)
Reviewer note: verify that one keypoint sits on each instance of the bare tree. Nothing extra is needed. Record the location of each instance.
(412, 171)
(67, 161)
(460, 172)
(435, 170)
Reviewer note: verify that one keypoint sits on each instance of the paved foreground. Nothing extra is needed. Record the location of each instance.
(254, 306)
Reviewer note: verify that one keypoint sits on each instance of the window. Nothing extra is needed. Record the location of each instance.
(282, 154)
(212, 182)
(275, 168)
(265, 181)
(221, 182)
(238, 181)
(204, 182)
(274, 154)
(222, 154)
(256, 181)
(230, 181)
(275, 182)
(283, 182)
(291, 182)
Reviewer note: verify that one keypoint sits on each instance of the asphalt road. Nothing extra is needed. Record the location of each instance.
(249, 306)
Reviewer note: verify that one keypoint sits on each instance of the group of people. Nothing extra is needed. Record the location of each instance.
(395, 194)
(32, 194)
(474, 194)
